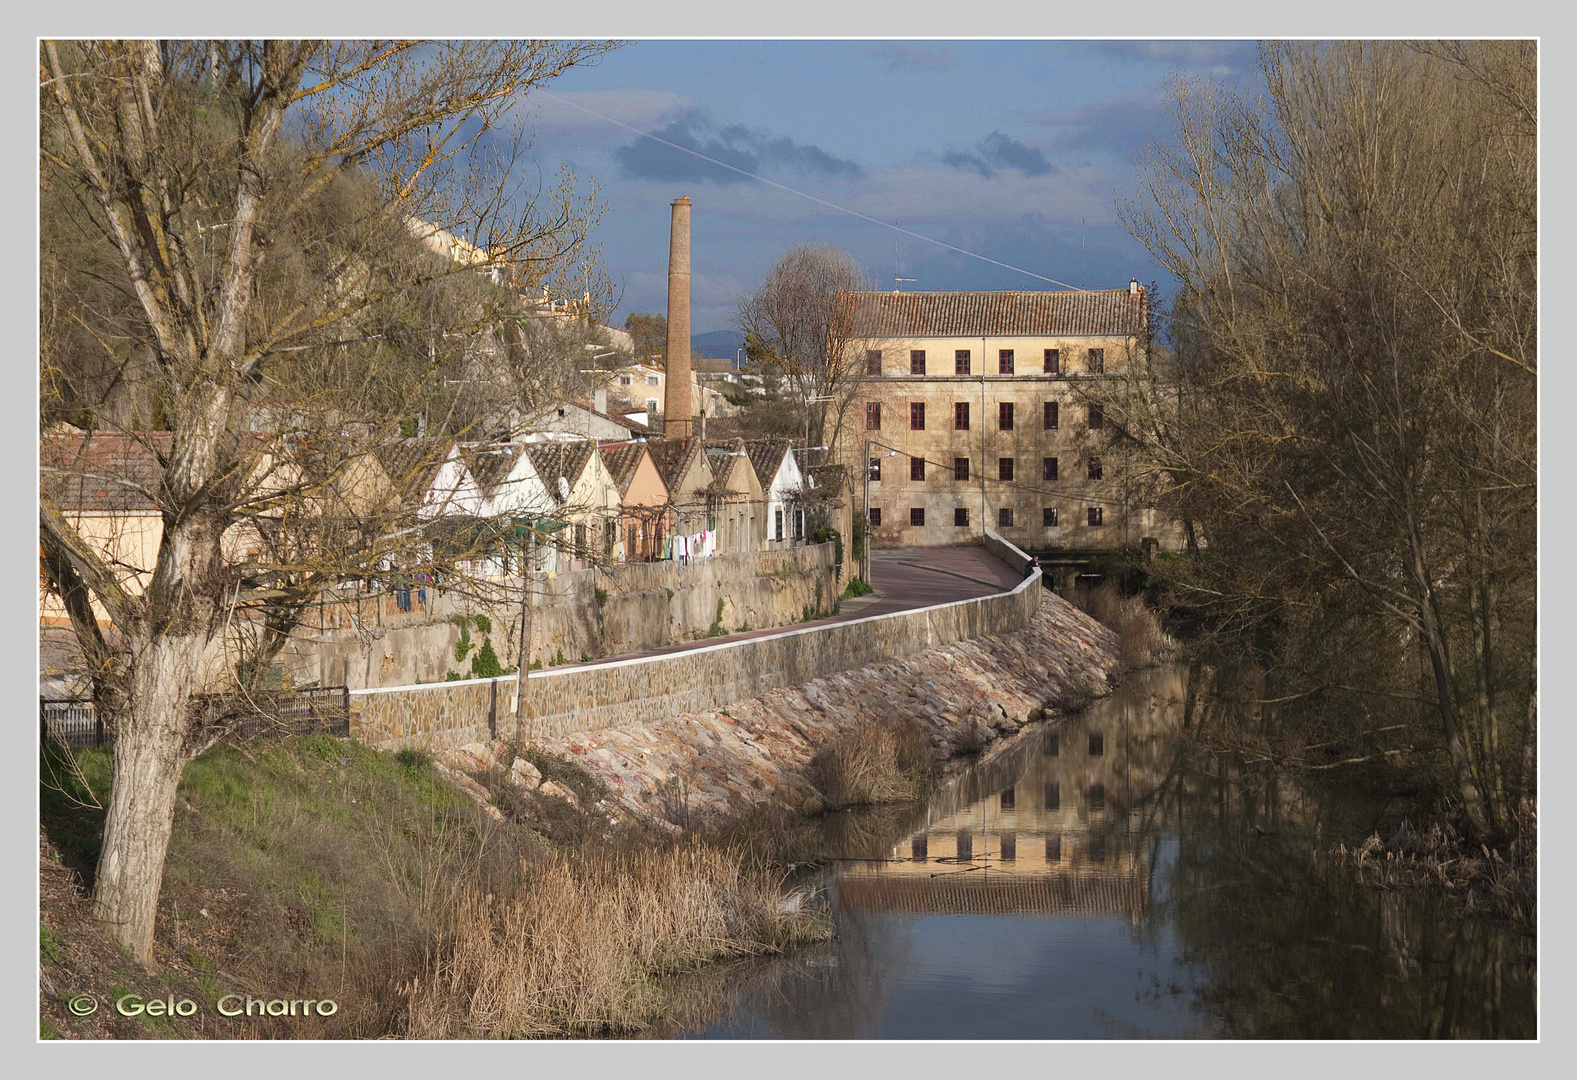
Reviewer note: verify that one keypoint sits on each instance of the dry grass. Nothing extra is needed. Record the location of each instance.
(879, 763)
(584, 948)
(1141, 642)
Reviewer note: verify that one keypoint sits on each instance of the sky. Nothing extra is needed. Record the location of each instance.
(1019, 151)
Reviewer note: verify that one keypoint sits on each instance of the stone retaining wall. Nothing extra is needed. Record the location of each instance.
(644, 690)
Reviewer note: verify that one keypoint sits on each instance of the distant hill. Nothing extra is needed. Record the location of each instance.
(716, 343)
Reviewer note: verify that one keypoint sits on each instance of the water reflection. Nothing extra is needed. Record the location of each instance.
(1105, 879)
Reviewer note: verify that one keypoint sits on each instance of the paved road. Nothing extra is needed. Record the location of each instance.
(903, 579)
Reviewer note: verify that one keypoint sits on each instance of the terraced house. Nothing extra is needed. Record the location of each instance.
(976, 414)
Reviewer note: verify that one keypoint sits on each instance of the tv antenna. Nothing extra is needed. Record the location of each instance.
(897, 280)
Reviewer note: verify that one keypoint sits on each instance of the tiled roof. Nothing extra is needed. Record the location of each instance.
(674, 458)
(490, 464)
(103, 471)
(556, 459)
(622, 459)
(766, 457)
(1003, 313)
(413, 464)
(721, 457)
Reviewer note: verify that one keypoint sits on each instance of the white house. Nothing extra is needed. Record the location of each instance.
(781, 484)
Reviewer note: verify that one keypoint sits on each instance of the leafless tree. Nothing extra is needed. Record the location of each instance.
(248, 207)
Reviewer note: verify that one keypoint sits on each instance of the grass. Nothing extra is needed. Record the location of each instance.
(855, 588)
(716, 629)
(878, 763)
(1141, 641)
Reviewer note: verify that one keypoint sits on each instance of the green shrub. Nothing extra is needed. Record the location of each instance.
(856, 587)
(484, 624)
(463, 646)
(485, 665)
(602, 596)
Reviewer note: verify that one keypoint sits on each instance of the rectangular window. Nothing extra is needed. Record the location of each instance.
(917, 362)
(917, 515)
(1004, 361)
(917, 416)
(917, 468)
(1005, 517)
(966, 845)
(1048, 468)
(1004, 468)
(873, 361)
(1097, 361)
(876, 516)
(876, 468)
(1095, 468)
(799, 524)
(1096, 516)
(1049, 746)
(651, 405)
(1053, 362)
(626, 380)
(961, 517)
(960, 469)
(1005, 416)
(961, 416)
(961, 362)
(1097, 417)
(1048, 517)
(1048, 416)
(1097, 796)
(1053, 794)
(777, 531)
(1097, 849)
(1053, 849)
(1097, 744)
(918, 848)
(1005, 800)
(873, 416)
(1009, 843)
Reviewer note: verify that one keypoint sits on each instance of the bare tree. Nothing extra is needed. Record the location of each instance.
(1352, 415)
(251, 205)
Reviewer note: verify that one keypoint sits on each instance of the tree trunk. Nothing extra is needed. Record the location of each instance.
(150, 740)
(523, 668)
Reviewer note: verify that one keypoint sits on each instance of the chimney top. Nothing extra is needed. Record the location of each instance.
(681, 199)
(1133, 286)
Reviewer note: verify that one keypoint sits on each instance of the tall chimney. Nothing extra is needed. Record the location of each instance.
(678, 412)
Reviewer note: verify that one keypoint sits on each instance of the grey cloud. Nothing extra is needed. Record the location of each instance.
(907, 56)
(1188, 54)
(1120, 126)
(998, 151)
(739, 146)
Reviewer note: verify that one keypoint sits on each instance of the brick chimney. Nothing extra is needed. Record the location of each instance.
(678, 411)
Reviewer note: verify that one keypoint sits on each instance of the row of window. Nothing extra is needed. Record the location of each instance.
(1049, 416)
(1007, 842)
(1051, 361)
(1005, 468)
(1094, 516)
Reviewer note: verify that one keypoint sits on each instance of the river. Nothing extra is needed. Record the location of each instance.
(1101, 879)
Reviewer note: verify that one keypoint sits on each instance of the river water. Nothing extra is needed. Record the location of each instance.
(1102, 879)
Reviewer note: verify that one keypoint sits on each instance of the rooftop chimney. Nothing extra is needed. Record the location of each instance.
(1133, 286)
(678, 411)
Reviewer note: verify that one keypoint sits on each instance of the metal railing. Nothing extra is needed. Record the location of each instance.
(318, 711)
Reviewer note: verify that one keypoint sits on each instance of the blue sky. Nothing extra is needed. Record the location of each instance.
(1012, 149)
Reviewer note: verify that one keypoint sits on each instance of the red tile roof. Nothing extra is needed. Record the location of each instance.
(103, 471)
(1003, 313)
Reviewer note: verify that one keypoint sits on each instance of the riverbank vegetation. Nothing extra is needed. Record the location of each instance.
(1343, 409)
(314, 867)
(880, 763)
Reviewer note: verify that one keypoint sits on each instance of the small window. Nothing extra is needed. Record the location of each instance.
(918, 848)
(1097, 417)
(876, 516)
(1053, 362)
(777, 525)
(873, 416)
(1005, 416)
(1048, 468)
(966, 845)
(653, 380)
(1097, 744)
(1049, 746)
(1005, 517)
(1005, 800)
(1097, 796)
(1048, 416)
(1097, 515)
(961, 362)
(1048, 517)
(1097, 361)
(651, 405)
(876, 469)
(626, 380)
(917, 362)
(960, 469)
(1053, 849)
(1004, 361)
(917, 515)
(917, 468)
(1004, 468)
(1095, 468)
(799, 524)
(1009, 843)
(873, 361)
(917, 416)
(1053, 796)
(961, 517)
(961, 416)
(1097, 849)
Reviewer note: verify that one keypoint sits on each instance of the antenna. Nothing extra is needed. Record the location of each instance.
(896, 281)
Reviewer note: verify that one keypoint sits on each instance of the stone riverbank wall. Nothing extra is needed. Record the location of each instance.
(645, 690)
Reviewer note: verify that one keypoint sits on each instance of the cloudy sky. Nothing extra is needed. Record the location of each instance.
(1015, 150)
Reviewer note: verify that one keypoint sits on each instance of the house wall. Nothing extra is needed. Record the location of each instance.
(1120, 495)
(623, 693)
